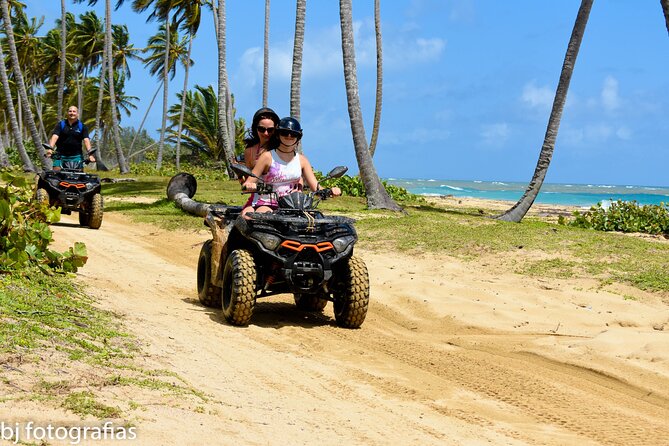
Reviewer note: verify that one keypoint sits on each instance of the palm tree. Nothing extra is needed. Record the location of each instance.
(14, 123)
(377, 196)
(265, 70)
(296, 76)
(225, 112)
(665, 8)
(88, 38)
(63, 52)
(18, 75)
(518, 211)
(200, 123)
(379, 78)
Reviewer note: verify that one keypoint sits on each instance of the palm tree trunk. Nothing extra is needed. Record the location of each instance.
(166, 71)
(665, 8)
(224, 107)
(265, 71)
(183, 102)
(18, 75)
(141, 125)
(97, 138)
(4, 159)
(14, 123)
(38, 110)
(377, 196)
(63, 55)
(379, 78)
(298, 44)
(518, 211)
(122, 165)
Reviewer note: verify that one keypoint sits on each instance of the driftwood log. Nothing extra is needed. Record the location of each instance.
(181, 189)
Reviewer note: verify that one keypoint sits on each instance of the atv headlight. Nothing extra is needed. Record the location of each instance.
(90, 186)
(54, 181)
(269, 241)
(341, 243)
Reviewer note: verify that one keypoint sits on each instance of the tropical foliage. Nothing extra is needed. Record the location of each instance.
(24, 231)
(624, 216)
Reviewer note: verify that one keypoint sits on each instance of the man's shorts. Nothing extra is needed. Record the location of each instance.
(68, 159)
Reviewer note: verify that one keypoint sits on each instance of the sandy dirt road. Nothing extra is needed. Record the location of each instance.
(451, 353)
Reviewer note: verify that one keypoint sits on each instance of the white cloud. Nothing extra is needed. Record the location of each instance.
(401, 53)
(495, 134)
(610, 98)
(537, 97)
(624, 133)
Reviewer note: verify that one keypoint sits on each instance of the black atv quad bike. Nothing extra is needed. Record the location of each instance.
(72, 189)
(294, 249)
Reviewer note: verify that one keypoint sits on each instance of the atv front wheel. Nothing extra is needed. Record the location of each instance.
(96, 210)
(42, 197)
(310, 302)
(239, 287)
(351, 294)
(209, 295)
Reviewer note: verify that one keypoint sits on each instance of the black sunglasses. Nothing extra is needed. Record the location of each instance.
(289, 133)
(262, 129)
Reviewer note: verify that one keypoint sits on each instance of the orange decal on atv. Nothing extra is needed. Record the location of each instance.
(77, 185)
(297, 246)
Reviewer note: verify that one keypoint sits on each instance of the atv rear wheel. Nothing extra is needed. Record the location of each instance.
(310, 302)
(351, 294)
(84, 218)
(239, 287)
(96, 210)
(209, 295)
(42, 197)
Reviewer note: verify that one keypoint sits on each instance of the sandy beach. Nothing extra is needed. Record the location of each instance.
(452, 352)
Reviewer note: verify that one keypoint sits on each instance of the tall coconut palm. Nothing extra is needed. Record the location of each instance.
(265, 65)
(377, 196)
(88, 37)
(63, 52)
(379, 77)
(4, 159)
(18, 75)
(665, 8)
(14, 123)
(225, 112)
(108, 66)
(518, 211)
(296, 76)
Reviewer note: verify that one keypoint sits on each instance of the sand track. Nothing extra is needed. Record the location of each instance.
(450, 353)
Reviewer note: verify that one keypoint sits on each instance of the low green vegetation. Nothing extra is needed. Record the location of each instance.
(24, 230)
(624, 216)
(539, 248)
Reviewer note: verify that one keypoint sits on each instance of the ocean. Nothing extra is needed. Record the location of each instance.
(584, 195)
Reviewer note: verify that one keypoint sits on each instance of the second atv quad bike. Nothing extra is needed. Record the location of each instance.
(294, 249)
(72, 189)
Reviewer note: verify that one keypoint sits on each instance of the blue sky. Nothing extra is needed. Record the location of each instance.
(468, 84)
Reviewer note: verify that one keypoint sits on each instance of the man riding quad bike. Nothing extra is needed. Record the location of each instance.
(294, 249)
(72, 189)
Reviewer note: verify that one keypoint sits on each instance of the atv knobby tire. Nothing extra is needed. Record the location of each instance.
(239, 287)
(209, 295)
(310, 302)
(42, 197)
(95, 212)
(84, 218)
(351, 294)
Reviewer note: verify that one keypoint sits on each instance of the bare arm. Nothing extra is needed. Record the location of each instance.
(261, 167)
(308, 173)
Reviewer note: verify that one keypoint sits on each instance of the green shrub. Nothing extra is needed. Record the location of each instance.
(624, 216)
(353, 187)
(24, 230)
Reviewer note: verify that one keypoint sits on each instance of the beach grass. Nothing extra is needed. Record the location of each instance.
(535, 247)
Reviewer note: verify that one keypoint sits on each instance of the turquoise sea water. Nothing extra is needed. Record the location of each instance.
(585, 195)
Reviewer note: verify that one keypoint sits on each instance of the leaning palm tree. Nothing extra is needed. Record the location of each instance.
(377, 196)
(14, 123)
(296, 76)
(518, 211)
(18, 77)
(379, 77)
(265, 65)
(665, 8)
